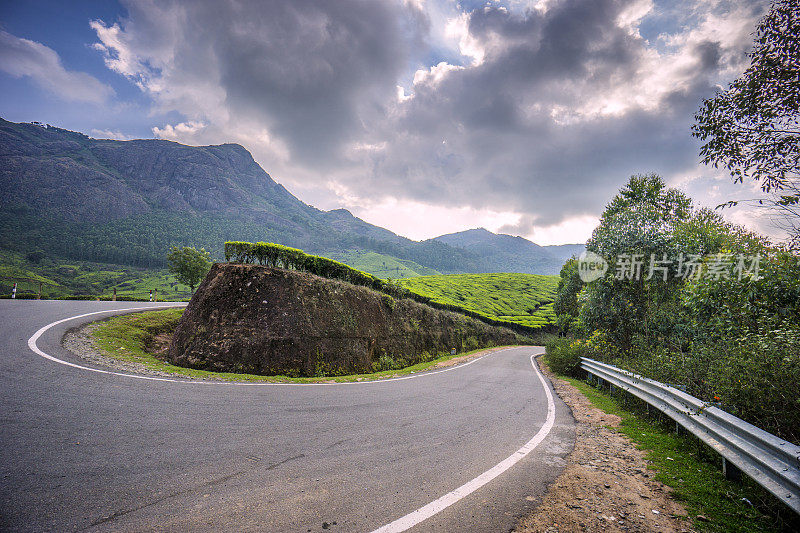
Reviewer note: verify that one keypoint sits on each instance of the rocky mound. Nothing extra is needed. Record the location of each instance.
(269, 321)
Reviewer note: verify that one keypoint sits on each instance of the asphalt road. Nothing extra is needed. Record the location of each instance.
(82, 450)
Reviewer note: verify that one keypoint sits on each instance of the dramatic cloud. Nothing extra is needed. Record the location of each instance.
(22, 57)
(521, 116)
(302, 72)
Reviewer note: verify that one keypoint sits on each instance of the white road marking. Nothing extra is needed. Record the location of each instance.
(423, 513)
(32, 345)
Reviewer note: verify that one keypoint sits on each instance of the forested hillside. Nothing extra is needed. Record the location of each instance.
(72, 197)
(128, 201)
(505, 253)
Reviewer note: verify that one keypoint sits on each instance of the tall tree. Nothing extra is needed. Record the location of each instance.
(635, 232)
(188, 264)
(565, 305)
(752, 129)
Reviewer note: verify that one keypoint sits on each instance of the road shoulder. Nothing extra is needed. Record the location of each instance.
(606, 485)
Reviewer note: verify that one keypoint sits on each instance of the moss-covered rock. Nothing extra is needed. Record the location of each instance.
(261, 320)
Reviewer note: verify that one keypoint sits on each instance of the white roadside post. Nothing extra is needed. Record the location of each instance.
(14, 292)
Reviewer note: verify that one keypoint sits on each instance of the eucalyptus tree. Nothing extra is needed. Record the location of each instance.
(751, 129)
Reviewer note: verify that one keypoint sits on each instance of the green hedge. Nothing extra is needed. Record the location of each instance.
(274, 255)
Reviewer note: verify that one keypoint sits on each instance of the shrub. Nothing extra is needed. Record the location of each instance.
(563, 355)
(757, 376)
(386, 362)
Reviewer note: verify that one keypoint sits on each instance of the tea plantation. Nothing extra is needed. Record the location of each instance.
(524, 299)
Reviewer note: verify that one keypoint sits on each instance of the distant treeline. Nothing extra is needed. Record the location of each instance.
(275, 255)
(144, 240)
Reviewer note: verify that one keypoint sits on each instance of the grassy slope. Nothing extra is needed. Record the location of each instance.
(125, 337)
(62, 278)
(693, 471)
(380, 265)
(525, 299)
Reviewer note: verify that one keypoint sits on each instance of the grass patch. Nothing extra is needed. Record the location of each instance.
(693, 471)
(128, 338)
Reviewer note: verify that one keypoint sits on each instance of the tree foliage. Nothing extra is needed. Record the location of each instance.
(640, 221)
(722, 338)
(751, 129)
(565, 305)
(188, 264)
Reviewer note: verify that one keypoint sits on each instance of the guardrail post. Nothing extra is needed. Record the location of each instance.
(732, 473)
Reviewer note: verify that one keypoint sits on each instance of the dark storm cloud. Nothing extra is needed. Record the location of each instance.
(547, 113)
(490, 135)
(306, 70)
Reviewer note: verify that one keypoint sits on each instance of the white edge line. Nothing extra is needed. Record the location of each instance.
(32, 345)
(423, 513)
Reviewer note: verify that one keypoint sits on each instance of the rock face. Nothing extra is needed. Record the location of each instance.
(69, 176)
(260, 320)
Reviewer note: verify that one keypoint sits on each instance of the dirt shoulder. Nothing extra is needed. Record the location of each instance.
(606, 485)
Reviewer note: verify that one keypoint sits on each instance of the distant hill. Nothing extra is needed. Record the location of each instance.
(565, 251)
(504, 253)
(127, 202)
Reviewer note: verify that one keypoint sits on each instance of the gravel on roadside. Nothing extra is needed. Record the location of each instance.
(606, 485)
(81, 343)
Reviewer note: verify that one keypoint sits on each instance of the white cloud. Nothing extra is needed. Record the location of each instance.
(179, 131)
(110, 134)
(457, 28)
(569, 231)
(25, 58)
(421, 220)
(435, 74)
(402, 96)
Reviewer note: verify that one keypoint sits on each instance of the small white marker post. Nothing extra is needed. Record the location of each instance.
(151, 295)
(14, 292)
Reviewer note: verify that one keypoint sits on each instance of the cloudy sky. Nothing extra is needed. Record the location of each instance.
(422, 116)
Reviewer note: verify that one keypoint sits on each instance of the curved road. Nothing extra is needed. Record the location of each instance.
(91, 451)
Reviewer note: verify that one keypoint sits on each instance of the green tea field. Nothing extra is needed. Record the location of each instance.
(380, 265)
(525, 299)
(60, 278)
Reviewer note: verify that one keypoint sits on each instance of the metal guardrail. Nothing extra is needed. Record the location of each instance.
(772, 462)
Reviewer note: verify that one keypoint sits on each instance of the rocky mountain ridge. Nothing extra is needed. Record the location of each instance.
(126, 202)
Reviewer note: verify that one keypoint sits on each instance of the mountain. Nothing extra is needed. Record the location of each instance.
(564, 251)
(127, 202)
(504, 253)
